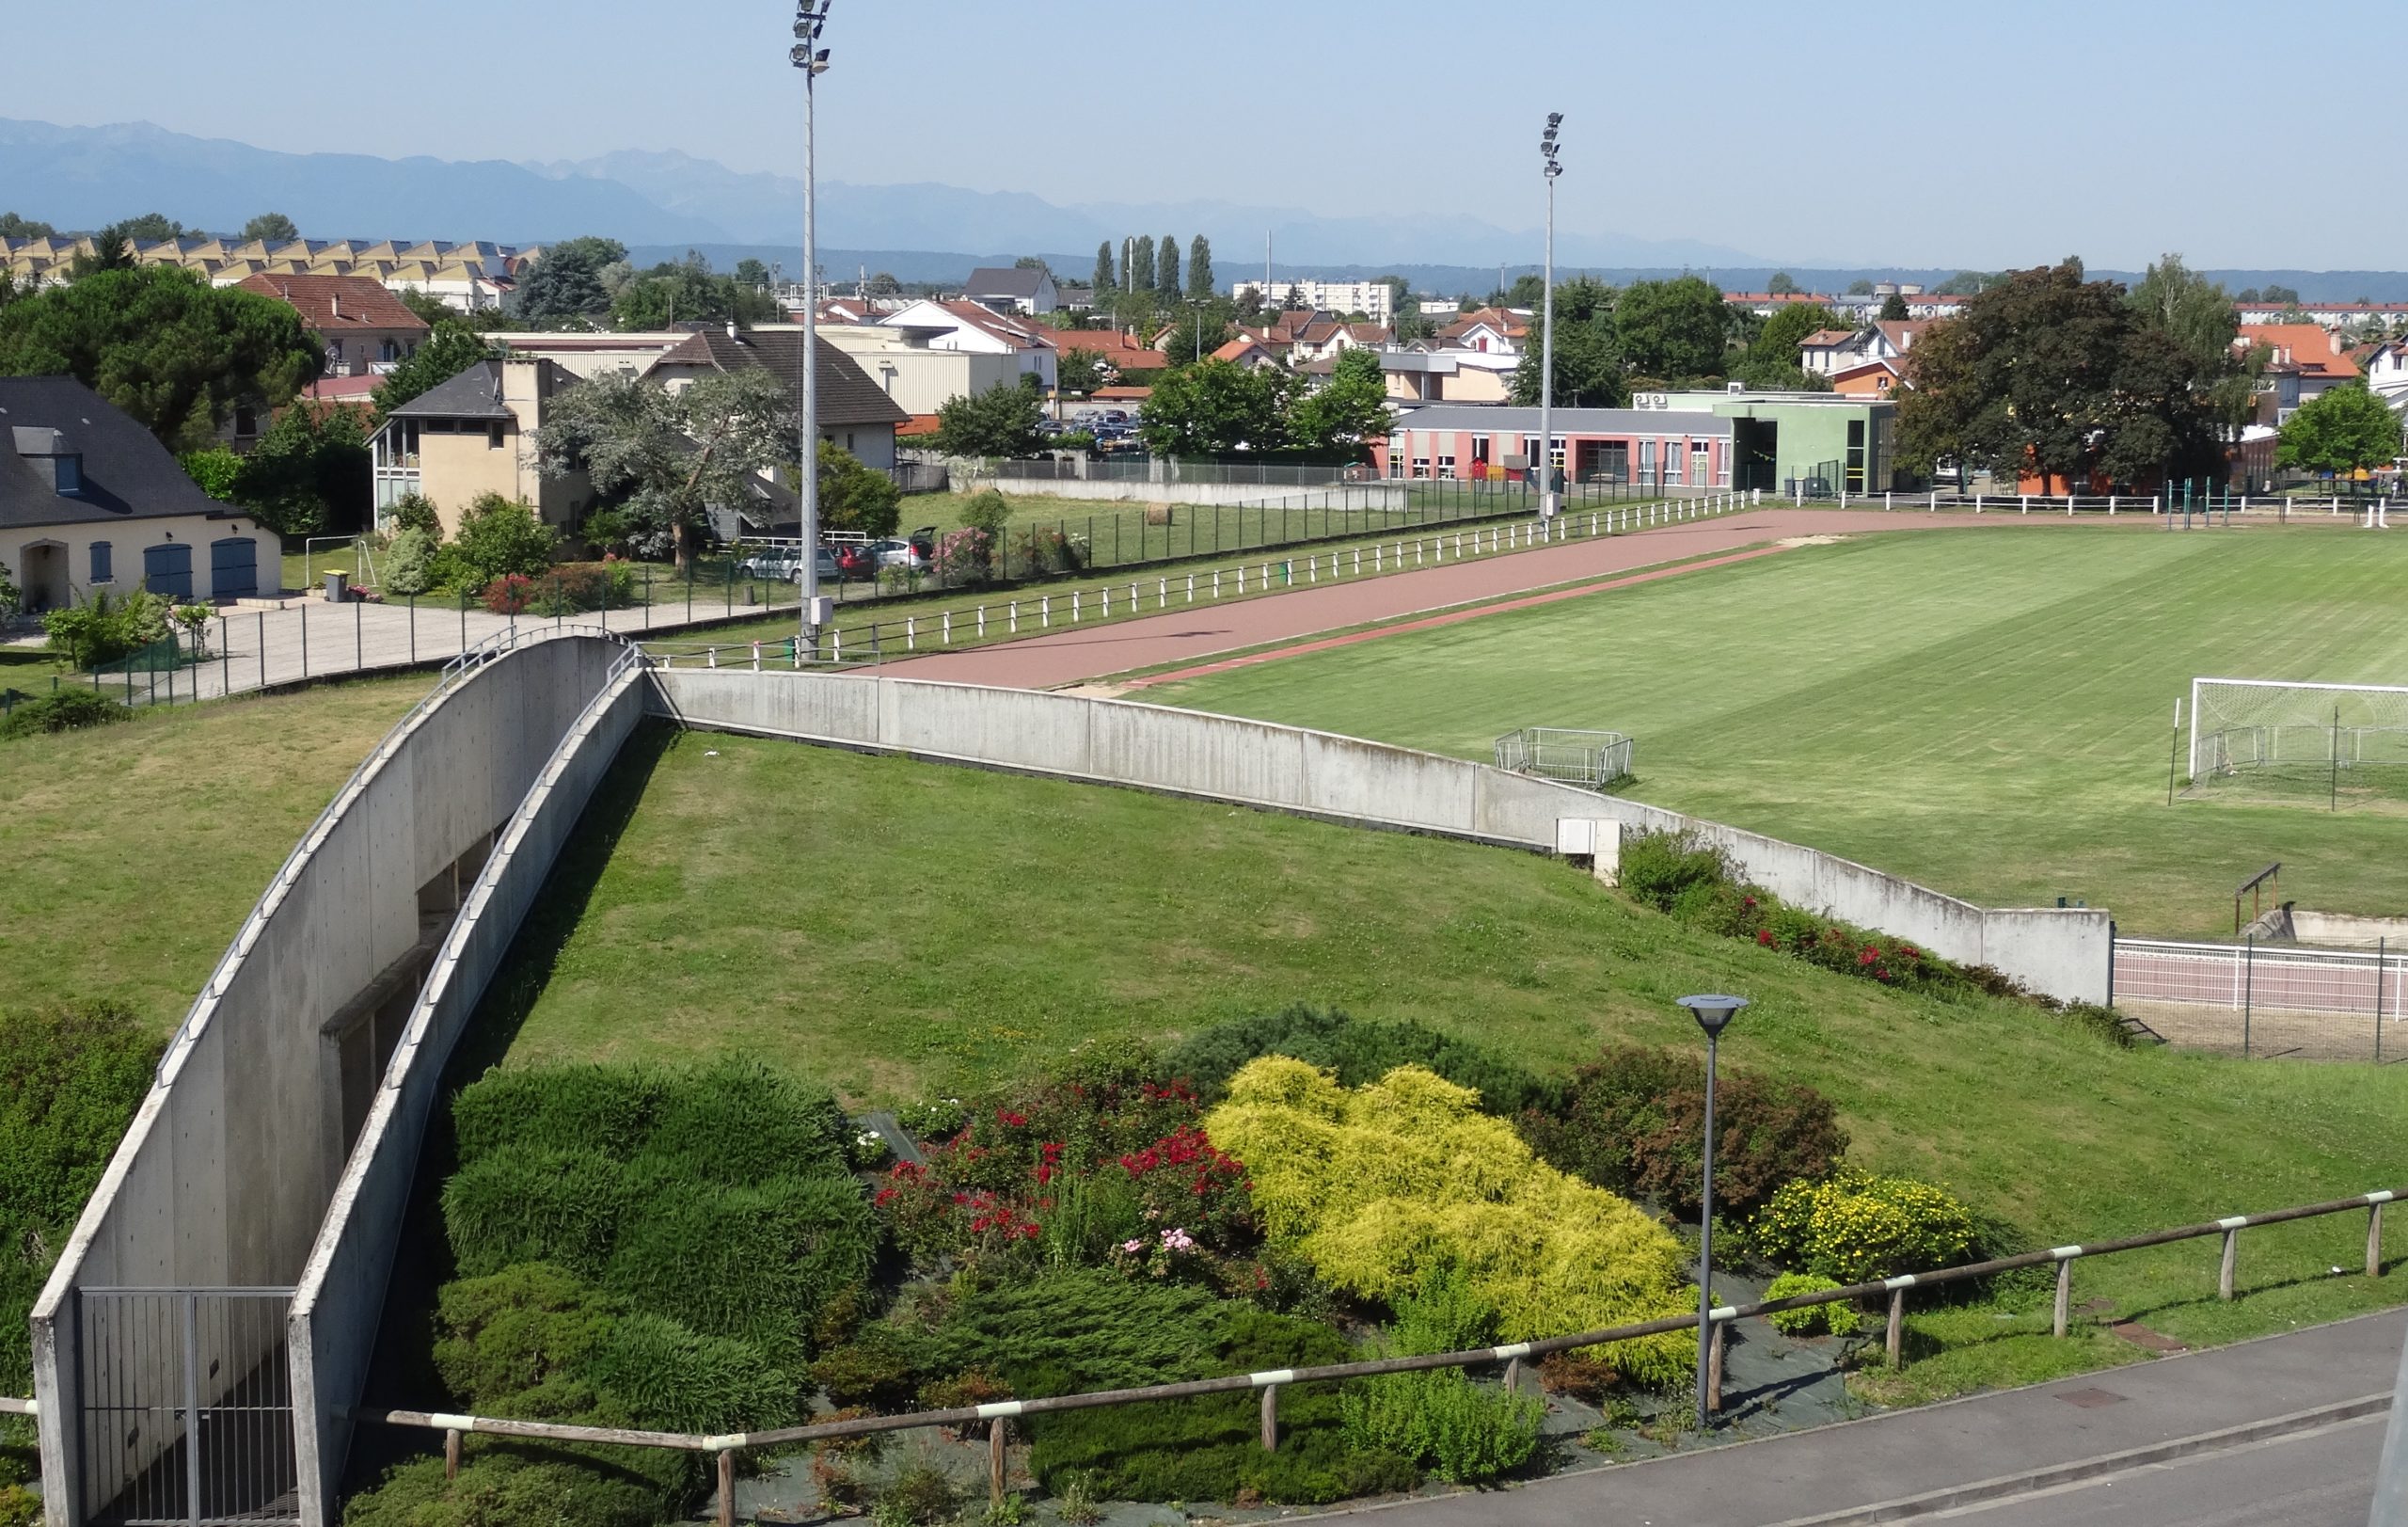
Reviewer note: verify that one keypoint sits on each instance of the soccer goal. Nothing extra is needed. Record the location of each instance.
(2278, 733)
(1593, 759)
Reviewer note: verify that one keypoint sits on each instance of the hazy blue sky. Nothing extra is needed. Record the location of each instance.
(2005, 132)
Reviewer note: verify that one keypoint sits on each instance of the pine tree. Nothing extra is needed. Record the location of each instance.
(1141, 268)
(1199, 267)
(1104, 280)
(1166, 269)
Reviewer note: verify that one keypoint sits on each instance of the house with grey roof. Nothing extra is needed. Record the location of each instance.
(1013, 289)
(474, 434)
(91, 502)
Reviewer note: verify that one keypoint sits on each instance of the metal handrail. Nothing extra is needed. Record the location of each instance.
(1512, 1354)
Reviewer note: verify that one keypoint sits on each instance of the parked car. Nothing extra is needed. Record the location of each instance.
(924, 541)
(856, 560)
(894, 551)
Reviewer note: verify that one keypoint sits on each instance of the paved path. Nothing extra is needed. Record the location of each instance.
(1840, 1471)
(1195, 635)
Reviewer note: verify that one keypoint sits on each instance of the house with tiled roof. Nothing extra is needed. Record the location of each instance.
(1495, 331)
(964, 324)
(855, 413)
(2303, 361)
(1829, 350)
(91, 502)
(364, 328)
(1126, 358)
(1248, 352)
(1013, 289)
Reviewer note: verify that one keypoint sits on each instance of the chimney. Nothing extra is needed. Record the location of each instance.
(730, 328)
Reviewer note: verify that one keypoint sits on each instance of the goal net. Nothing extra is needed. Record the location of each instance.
(2278, 736)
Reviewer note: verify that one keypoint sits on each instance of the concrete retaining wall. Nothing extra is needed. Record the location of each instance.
(2061, 952)
(226, 1174)
(1341, 496)
(332, 1329)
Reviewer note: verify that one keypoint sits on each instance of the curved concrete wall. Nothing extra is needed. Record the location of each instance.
(228, 1166)
(2061, 952)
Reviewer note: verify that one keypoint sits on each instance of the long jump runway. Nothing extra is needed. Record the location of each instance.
(1196, 635)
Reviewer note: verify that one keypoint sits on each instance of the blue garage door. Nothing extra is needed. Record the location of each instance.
(168, 570)
(233, 567)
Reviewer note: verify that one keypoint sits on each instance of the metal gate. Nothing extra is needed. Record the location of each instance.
(166, 568)
(233, 567)
(187, 1409)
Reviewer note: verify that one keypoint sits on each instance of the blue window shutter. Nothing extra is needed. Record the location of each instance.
(101, 569)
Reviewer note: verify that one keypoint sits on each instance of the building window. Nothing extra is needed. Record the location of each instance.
(1647, 461)
(247, 424)
(1421, 466)
(442, 426)
(101, 570)
(67, 476)
(493, 436)
(1855, 467)
(1445, 468)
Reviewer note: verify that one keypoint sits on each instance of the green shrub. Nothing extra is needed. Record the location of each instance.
(1357, 1050)
(107, 627)
(498, 538)
(415, 512)
(573, 587)
(504, 1489)
(877, 1369)
(1839, 1318)
(63, 712)
(606, 1109)
(754, 1263)
(409, 563)
(536, 1203)
(1462, 1433)
(675, 1378)
(1660, 868)
(920, 1495)
(1855, 1229)
(517, 1343)
(1208, 1448)
(1632, 1122)
(1083, 1329)
(730, 1121)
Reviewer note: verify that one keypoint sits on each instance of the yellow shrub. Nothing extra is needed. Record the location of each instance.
(1377, 1186)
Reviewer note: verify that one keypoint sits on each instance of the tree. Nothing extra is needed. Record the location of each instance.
(1103, 280)
(2286, 295)
(1771, 360)
(271, 228)
(1080, 371)
(151, 228)
(1167, 280)
(1199, 266)
(1672, 329)
(1000, 421)
(1214, 408)
(854, 498)
(566, 281)
(751, 272)
(2247, 294)
(685, 291)
(1348, 411)
(666, 458)
(1893, 309)
(1141, 266)
(884, 284)
(310, 473)
(14, 227)
(1196, 332)
(1588, 357)
(2198, 314)
(1782, 284)
(451, 349)
(163, 345)
(2339, 432)
(497, 536)
(1033, 262)
(1966, 284)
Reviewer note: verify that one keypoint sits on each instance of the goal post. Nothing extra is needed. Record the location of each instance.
(2270, 727)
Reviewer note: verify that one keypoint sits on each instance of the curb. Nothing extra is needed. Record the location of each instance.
(1906, 1507)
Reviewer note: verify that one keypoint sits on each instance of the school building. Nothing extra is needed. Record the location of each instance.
(1778, 441)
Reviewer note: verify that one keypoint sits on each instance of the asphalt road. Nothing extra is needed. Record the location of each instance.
(2323, 1478)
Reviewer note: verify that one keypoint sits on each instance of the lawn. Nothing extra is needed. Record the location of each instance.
(903, 929)
(134, 852)
(1986, 713)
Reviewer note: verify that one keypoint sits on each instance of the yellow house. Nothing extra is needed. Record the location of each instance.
(472, 435)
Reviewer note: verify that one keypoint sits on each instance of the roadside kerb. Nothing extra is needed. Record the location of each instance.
(1511, 1355)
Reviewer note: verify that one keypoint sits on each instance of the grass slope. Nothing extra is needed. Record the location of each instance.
(1985, 713)
(900, 929)
(132, 852)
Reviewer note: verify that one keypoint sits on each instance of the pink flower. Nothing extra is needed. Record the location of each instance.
(1134, 1247)
(1177, 1240)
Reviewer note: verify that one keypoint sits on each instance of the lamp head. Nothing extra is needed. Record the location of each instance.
(1713, 1012)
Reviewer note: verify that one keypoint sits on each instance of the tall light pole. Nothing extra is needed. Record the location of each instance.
(1547, 501)
(1712, 1014)
(809, 56)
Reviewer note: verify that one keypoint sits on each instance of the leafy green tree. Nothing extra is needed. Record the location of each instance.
(1141, 266)
(1893, 309)
(215, 469)
(1672, 329)
(1965, 283)
(1167, 280)
(451, 349)
(1588, 368)
(310, 473)
(151, 228)
(2286, 296)
(1199, 266)
(666, 456)
(1080, 371)
(1782, 284)
(1348, 411)
(1104, 280)
(111, 250)
(15, 227)
(1785, 330)
(684, 290)
(751, 272)
(853, 497)
(2198, 314)
(497, 536)
(163, 345)
(1409, 322)
(1033, 262)
(2338, 432)
(567, 282)
(1217, 407)
(1000, 421)
(1196, 331)
(883, 284)
(272, 227)
(1859, 288)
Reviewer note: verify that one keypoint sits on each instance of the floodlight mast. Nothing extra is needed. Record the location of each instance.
(1548, 504)
(806, 54)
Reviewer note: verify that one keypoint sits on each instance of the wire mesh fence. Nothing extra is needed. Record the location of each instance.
(1567, 756)
(2266, 1000)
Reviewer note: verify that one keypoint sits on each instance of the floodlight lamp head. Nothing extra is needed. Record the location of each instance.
(1713, 1012)
(1554, 120)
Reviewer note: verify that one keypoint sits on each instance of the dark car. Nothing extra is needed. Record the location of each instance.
(857, 560)
(924, 541)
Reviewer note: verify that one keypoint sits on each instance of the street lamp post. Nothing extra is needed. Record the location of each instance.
(1196, 306)
(1547, 504)
(810, 16)
(1712, 1014)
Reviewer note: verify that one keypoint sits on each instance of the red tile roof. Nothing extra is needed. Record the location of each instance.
(339, 304)
(1510, 325)
(1822, 338)
(2306, 346)
(1116, 348)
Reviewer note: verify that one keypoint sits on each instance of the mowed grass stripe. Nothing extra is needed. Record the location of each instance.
(1985, 712)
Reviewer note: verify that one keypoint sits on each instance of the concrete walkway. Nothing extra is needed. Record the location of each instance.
(1194, 635)
(1919, 1462)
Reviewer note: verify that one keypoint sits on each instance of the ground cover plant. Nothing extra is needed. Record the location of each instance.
(1985, 710)
(1135, 917)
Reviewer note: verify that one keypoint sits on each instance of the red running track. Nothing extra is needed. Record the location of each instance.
(1194, 634)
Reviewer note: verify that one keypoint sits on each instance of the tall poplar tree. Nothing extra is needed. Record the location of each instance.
(1199, 267)
(1141, 268)
(1166, 269)
(1103, 277)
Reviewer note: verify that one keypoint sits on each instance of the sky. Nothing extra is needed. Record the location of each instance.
(1875, 132)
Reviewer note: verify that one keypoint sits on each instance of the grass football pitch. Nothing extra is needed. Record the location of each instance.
(1988, 712)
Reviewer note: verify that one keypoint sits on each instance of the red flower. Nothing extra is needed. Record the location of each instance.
(1763, 935)
(1868, 955)
(1016, 1120)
